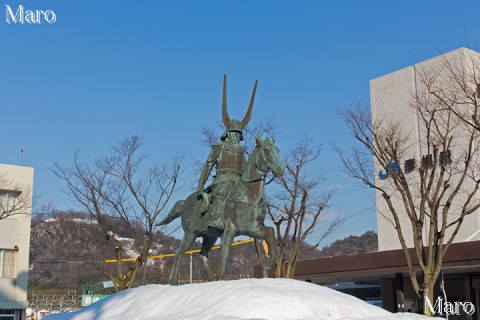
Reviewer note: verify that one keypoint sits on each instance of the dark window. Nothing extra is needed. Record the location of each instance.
(427, 161)
(445, 158)
(7, 314)
(409, 165)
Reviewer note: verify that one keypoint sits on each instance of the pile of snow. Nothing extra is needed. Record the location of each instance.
(254, 299)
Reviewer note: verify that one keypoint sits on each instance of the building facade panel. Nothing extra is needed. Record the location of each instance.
(396, 97)
(15, 239)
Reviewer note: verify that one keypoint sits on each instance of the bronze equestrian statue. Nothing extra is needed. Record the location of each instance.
(235, 196)
(228, 157)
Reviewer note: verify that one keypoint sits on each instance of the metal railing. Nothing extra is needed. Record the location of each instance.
(68, 300)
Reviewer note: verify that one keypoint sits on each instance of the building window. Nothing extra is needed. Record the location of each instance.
(8, 200)
(409, 165)
(427, 161)
(7, 263)
(7, 314)
(445, 158)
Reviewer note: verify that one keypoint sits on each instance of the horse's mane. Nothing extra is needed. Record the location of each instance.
(250, 161)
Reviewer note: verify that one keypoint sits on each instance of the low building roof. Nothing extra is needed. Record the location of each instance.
(463, 257)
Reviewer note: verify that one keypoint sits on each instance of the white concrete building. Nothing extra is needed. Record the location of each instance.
(16, 185)
(391, 99)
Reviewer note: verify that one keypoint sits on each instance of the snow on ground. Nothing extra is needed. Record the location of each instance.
(248, 299)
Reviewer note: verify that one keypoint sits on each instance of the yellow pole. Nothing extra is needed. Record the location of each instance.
(161, 256)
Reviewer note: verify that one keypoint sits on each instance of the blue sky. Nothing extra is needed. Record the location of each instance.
(110, 69)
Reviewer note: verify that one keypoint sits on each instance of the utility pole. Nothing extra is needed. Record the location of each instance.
(191, 268)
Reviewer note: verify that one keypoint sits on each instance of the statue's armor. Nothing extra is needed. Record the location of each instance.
(229, 159)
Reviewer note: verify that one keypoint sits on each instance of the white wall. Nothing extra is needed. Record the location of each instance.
(15, 231)
(392, 100)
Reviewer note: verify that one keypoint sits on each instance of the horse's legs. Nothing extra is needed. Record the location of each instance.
(227, 238)
(186, 242)
(207, 245)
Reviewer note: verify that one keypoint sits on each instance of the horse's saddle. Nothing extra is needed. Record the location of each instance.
(205, 201)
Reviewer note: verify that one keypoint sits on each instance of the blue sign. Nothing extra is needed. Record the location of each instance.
(392, 166)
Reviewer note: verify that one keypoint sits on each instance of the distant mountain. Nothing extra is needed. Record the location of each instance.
(56, 256)
(367, 242)
(55, 262)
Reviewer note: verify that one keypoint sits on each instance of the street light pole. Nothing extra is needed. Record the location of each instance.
(191, 268)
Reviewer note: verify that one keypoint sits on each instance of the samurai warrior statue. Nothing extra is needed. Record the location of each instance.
(228, 157)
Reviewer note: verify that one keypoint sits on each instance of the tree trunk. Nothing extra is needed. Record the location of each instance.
(261, 259)
(290, 270)
(278, 267)
(428, 296)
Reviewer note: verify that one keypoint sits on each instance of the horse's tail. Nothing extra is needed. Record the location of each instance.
(174, 213)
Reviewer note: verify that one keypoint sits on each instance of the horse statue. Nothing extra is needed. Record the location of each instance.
(244, 212)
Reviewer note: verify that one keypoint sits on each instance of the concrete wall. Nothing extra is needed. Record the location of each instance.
(392, 100)
(15, 233)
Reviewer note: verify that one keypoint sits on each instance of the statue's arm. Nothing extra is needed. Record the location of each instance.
(207, 168)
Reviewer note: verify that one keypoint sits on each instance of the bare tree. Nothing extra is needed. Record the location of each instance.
(426, 201)
(298, 207)
(15, 199)
(115, 187)
(459, 89)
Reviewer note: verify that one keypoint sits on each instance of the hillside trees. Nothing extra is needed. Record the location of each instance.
(353, 244)
(57, 251)
(427, 195)
(118, 187)
(57, 241)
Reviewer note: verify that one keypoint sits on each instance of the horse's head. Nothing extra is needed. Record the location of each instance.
(269, 159)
